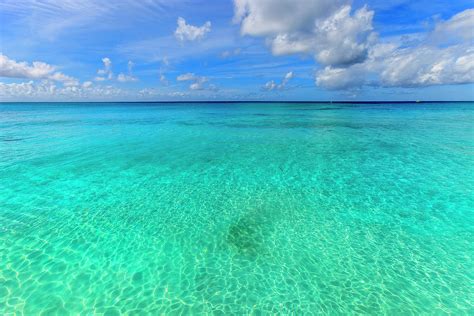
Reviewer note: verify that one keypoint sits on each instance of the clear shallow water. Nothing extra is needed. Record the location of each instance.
(236, 208)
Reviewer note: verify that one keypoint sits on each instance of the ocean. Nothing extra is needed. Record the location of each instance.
(236, 208)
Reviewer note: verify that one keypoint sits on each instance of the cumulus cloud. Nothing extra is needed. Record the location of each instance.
(127, 77)
(271, 85)
(428, 66)
(326, 29)
(344, 39)
(428, 63)
(190, 32)
(458, 28)
(197, 82)
(11, 68)
(106, 72)
(340, 78)
(37, 70)
(66, 80)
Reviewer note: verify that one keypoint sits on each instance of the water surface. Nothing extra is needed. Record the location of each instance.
(240, 208)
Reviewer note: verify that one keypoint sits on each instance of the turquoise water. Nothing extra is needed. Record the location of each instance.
(236, 208)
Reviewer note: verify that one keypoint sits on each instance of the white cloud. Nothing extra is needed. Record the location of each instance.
(325, 29)
(428, 63)
(190, 32)
(127, 77)
(87, 84)
(459, 27)
(107, 63)
(199, 85)
(153, 93)
(11, 68)
(270, 17)
(37, 70)
(186, 77)
(288, 76)
(271, 85)
(66, 80)
(48, 90)
(344, 39)
(106, 72)
(404, 67)
(230, 53)
(425, 66)
(163, 79)
(340, 78)
(197, 82)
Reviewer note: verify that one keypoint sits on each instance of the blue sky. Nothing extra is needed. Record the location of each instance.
(236, 50)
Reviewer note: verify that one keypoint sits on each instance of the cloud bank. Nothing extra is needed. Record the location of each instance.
(444, 56)
(48, 90)
(343, 42)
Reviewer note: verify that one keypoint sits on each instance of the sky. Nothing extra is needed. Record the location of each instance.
(184, 50)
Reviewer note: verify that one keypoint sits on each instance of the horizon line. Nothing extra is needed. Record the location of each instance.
(259, 101)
